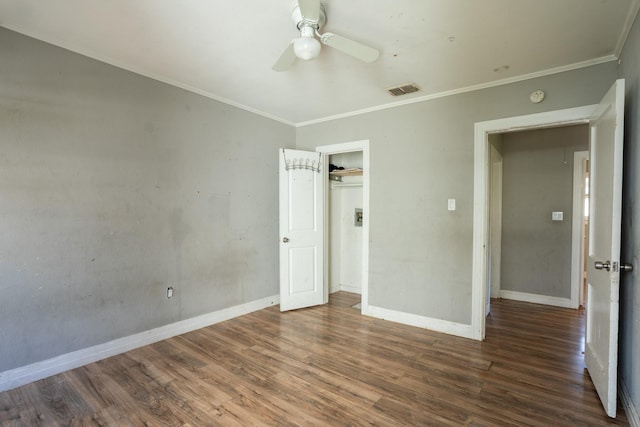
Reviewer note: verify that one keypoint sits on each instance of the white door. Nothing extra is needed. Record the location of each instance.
(603, 266)
(301, 229)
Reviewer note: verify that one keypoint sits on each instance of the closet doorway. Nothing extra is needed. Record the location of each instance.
(347, 218)
(345, 222)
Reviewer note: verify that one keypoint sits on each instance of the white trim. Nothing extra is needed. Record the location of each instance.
(348, 147)
(538, 74)
(480, 232)
(629, 408)
(480, 192)
(436, 325)
(537, 299)
(46, 368)
(343, 147)
(577, 228)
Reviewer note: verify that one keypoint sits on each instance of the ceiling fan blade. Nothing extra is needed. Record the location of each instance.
(310, 9)
(286, 60)
(350, 47)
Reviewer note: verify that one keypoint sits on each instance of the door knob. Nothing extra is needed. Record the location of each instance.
(599, 265)
(626, 267)
(285, 240)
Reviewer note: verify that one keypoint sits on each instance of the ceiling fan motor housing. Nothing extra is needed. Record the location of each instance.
(296, 17)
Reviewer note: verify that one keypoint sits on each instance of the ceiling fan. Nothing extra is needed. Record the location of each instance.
(309, 16)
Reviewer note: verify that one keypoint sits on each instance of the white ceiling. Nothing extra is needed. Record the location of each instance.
(225, 48)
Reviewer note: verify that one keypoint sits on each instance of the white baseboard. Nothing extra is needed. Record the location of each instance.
(629, 407)
(452, 328)
(46, 368)
(537, 299)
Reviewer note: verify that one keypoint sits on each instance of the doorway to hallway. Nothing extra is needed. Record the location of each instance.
(536, 215)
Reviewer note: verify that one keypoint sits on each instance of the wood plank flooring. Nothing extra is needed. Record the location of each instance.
(331, 366)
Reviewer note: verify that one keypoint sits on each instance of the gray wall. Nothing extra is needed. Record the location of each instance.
(630, 284)
(422, 155)
(537, 180)
(112, 188)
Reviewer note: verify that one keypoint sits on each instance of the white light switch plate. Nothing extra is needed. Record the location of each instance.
(451, 203)
(557, 216)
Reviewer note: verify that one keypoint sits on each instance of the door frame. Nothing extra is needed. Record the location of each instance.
(348, 147)
(494, 245)
(481, 217)
(578, 230)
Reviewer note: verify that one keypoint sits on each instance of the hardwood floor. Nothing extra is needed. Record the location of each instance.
(331, 366)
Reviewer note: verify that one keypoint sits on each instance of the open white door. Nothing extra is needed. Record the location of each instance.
(301, 229)
(603, 269)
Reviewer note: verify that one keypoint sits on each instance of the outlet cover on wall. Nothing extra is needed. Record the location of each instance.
(357, 221)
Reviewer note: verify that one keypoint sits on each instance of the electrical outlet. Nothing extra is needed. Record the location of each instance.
(169, 291)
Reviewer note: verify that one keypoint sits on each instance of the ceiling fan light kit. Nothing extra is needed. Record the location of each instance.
(309, 16)
(307, 47)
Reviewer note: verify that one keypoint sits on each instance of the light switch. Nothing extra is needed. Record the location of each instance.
(451, 203)
(557, 216)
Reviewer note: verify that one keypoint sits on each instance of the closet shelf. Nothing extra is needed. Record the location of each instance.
(339, 184)
(335, 176)
(347, 172)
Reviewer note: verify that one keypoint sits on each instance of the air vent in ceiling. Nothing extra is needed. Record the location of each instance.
(403, 90)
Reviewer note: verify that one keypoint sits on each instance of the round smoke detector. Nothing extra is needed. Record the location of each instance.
(536, 96)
